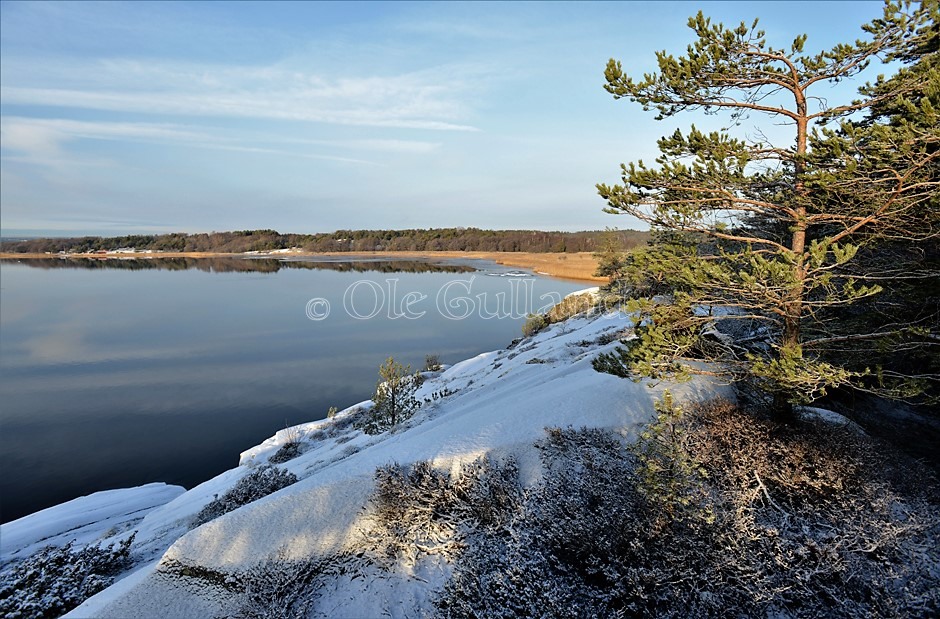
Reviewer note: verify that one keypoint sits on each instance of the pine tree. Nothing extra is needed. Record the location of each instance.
(610, 256)
(781, 223)
(394, 399)
(897, 331)
(667, 475)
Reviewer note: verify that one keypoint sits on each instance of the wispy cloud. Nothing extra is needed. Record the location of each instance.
(426, 100)
(45, 136)
(42, 140)
(30, 138)
(416, 147)
(272, 151)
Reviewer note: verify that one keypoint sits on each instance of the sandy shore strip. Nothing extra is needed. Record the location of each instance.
(577, 266)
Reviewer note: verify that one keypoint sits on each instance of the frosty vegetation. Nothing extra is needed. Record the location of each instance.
(767, 520)
(293, 444)
(259, 483)
(711, 512)
(278, 589)
(54, 580)
(421, 510)
(288, 451)
(394, 399)
(416, 512)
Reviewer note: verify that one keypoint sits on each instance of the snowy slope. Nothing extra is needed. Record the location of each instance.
(83, 520)
(498, 403)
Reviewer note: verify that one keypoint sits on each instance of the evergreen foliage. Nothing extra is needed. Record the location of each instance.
(394, 400)
(666, 473)
(772, 233)
(899, 326)
(610, 257)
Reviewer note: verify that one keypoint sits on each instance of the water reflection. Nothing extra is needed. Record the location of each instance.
(241, 265)
(122, 372)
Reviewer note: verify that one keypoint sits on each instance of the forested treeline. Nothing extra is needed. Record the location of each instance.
(439, 239)
(240, 265)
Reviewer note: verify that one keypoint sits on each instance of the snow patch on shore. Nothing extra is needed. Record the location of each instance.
(84, 520)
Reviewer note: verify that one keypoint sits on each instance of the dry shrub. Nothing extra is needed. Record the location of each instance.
(821, 519)
(285, 589)
(419, 509)
(261, 482)
(54, 580)
(569, 306)
(815, 521)
(533, 324)
(286, 452)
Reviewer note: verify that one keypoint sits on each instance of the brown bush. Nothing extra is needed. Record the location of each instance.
(569, 306)
(815, 521)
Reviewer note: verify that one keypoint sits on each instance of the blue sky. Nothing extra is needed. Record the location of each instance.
(193, 117)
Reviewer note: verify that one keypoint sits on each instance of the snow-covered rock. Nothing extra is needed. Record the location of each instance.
(824, 415)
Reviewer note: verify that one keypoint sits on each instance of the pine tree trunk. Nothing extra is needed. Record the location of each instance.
(782, 408)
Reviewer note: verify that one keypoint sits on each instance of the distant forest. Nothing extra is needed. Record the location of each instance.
(241, 265)
(441, 239)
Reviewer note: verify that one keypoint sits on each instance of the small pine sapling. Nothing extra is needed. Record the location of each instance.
(667, 474)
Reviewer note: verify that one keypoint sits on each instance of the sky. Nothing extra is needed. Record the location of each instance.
(141, 117)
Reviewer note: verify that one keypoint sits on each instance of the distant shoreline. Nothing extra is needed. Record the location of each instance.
(577, 266)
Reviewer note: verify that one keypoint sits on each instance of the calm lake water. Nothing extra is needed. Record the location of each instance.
(119, 373)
